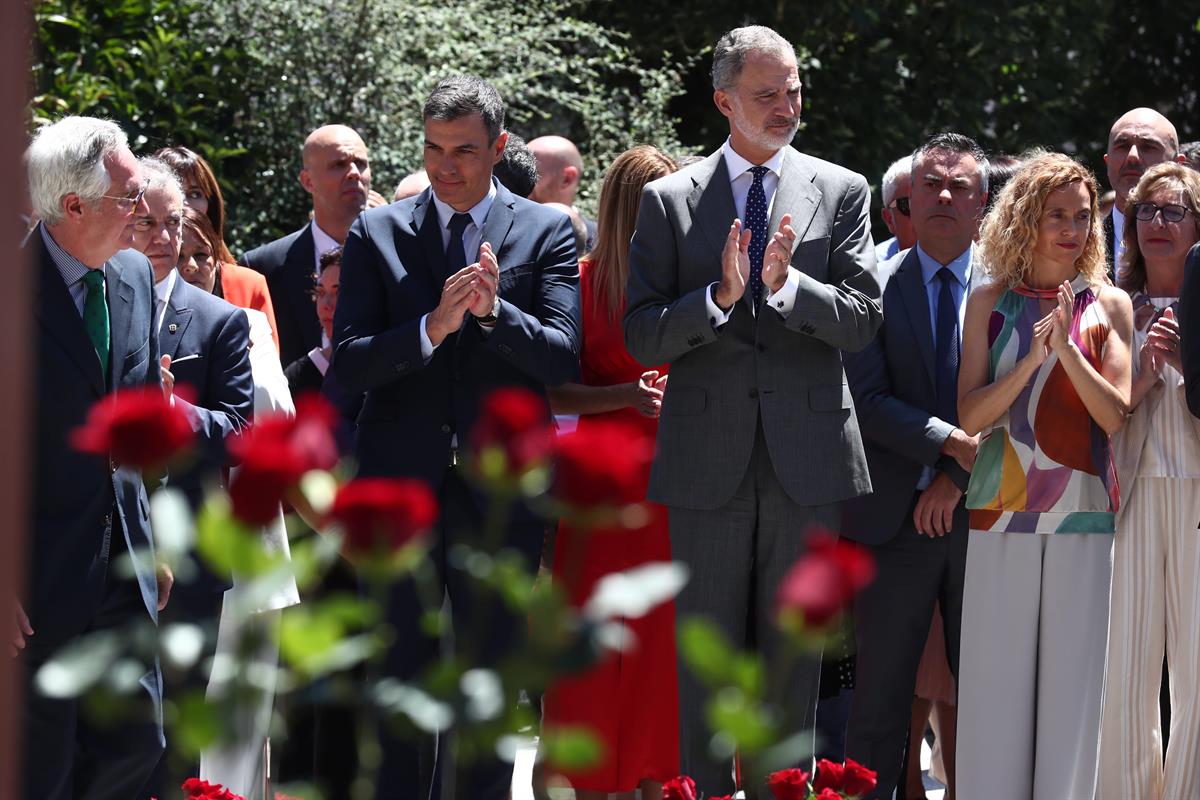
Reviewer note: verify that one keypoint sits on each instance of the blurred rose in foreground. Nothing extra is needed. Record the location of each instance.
(138, 427)
(275, 453)
(823, 581)
(379, 516)
(602, 466)
(788, 784)
(512, 437)
(681, 788)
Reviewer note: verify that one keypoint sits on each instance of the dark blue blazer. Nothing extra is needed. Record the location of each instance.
(893, 382)
(76, 495)
(288, 265)
(393, 269)
(218, 383)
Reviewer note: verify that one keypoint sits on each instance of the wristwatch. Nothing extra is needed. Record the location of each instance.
(490, 317)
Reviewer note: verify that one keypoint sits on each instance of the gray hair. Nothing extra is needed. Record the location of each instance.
(956, 143)
(732, 48)
(67, 157)
(462, 95)
(158, 175)
(900, 168)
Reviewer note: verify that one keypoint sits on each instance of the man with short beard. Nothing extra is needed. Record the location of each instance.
(750, 272)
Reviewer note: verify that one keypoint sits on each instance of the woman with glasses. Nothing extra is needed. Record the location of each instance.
(241, 286)
(1156, 558)
(1045, 378)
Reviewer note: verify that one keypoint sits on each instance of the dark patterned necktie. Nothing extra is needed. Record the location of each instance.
(95, 318)
(756, 221)
(456, 254)
(947, 349)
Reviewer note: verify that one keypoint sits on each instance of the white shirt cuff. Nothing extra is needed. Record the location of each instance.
(319, 360)
(716, 316)
(785, 299)
(427, 347)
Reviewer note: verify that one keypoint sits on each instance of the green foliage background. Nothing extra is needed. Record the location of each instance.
(243, 81)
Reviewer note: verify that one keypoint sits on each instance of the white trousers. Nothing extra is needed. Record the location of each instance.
(1155, 605)
(1031, 669)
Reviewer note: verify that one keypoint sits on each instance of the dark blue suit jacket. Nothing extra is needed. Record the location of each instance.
(288, 265)
(75, 495)
(894, 385)
(393, 270)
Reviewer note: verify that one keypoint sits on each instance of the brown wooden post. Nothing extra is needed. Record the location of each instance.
(16, 300)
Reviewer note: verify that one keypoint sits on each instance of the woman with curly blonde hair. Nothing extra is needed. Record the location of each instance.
(1155, 606)
(1045, 379)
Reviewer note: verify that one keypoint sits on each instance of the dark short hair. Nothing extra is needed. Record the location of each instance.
(333, 256)
(517, 168)
(459, 96)
(1191, 154)
(954, 143)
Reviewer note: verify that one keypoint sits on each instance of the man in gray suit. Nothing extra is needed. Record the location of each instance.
(757, 438)
(905, 386)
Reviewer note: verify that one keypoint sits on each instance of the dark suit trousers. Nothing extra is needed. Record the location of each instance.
(892, 618)
(71, 752)
(738, 555)
(414, 765)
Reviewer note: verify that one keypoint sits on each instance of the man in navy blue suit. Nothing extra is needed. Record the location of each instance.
(444, 297)
(94, 335)
(205, 354)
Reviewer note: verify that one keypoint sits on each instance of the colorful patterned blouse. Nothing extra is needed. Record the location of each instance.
(1045, 466)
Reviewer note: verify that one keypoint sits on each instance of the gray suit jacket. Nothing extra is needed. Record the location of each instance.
(788, 371)
(895, 392)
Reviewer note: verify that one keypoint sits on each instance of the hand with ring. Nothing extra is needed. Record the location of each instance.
(778, 255)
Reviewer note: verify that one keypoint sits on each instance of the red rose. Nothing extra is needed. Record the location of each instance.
(824, 580)
(515, 423)
(196, 789)
(382, 514)
(827, 794)
(788, 784)
(681, 788)
(857, 779)
(275, 453)
(829, 776)
(136, 427)
(602, 465)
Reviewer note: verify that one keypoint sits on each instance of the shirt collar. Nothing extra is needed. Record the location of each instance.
(322, 240)
(738, 166)
(1118, 223)
(163, 288)
(478, 212)
(960, 267)
(71, 268)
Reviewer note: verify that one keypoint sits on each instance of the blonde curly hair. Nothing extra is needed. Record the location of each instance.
(1010, 229)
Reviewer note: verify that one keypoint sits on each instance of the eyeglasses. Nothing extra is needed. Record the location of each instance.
(1170, 213)
(127, 202)
(900, 204)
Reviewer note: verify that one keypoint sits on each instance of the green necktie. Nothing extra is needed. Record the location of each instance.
(95, 317)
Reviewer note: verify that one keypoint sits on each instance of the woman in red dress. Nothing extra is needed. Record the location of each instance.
(628, 700)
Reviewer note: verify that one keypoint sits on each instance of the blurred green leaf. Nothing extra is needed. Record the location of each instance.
(574, 749)
(706, 651)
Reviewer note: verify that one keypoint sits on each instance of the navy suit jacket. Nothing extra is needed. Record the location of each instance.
(76, 495)
(218, 384)
(289, 266)
(393, 269)
(894, 385)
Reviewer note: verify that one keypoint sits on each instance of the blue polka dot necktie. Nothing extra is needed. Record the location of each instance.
(756, 221)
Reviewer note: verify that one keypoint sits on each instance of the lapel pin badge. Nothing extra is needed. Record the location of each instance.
(172, 327)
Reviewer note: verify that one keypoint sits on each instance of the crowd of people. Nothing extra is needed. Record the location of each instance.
(995, 403)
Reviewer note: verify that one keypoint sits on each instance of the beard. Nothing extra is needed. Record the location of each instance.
(773, 138)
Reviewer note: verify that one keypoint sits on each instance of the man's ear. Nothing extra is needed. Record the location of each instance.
(721, 99)
(1181, 158)
(888, 220)
(72, 205)
(570, 175)
(498, 147)
(306, 181)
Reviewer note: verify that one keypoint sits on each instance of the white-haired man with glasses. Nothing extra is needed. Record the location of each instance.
(93, 336)
(895, 189)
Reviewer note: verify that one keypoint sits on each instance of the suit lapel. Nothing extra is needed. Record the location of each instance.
(498, 223)
(916, 303)
(428, 230)
(61, 321)
(712, 209)
(796, 195)
(120, 315)
(298, 273)
(174, 325)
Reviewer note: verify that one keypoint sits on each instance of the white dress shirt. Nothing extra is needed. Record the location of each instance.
(1118, 240)
(162, 296)
(740, 181)
(472, 238)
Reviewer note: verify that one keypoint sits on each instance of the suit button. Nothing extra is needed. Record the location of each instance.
(106, 522)
(753, 394)
(112, 464)
(445, 429)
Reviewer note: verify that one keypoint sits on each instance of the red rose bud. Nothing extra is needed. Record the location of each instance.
(514, 423)
(275, 453)
(196, 789)
(827, 794)
(602, 465)
(136, 427)
(681, 788)
(857, 780)
(824, 580)
(829, 776)
(788, 784)
(381, 515)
